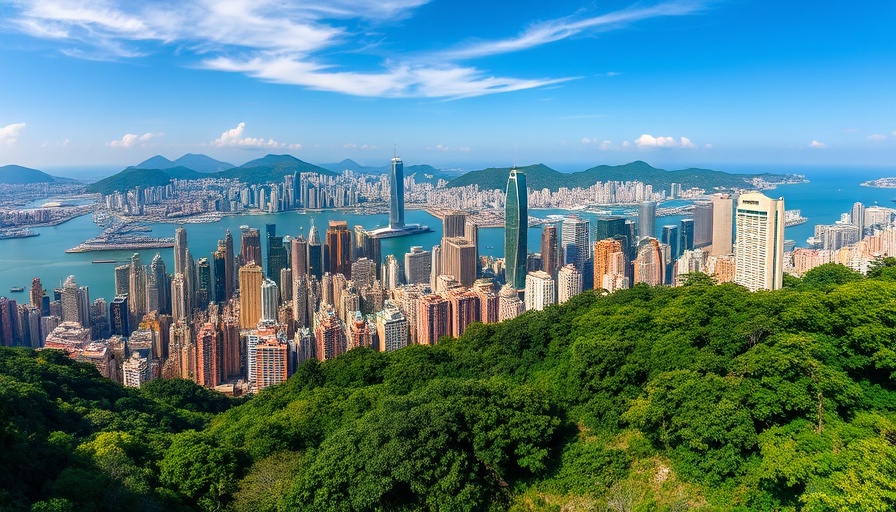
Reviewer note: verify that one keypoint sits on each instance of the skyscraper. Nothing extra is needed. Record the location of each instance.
(37, 293)
(539, 290)
(759, 253)
(391, 328)
(180, 251)
(722, 214)
(137, 288)
(118, 314)
(229, 268)
(396, 194)
(702, 224)
(459, 259)
(270, 300)
(434, 320)
(159, 276)
(277, 257)
(647, 219)
(299, 257)
(649, 265)
(250, 246)
(672, 238)
(250, 295)
(315, 253)
(576, 239)
(418, 265)
(569, 283)
(550, 249)
(605, 253)
(687, 235)
(339, 243)
(516, 225)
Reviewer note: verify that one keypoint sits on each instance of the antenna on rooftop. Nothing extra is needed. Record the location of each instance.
(514, 156)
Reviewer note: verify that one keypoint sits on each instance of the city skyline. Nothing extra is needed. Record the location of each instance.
(569, 85)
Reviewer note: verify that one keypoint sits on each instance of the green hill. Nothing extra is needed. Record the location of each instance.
(271, 168)
(702, 397)
(540, 176)
(132, 177)
(16, 175)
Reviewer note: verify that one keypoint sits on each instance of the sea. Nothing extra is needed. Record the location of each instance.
(822, 200)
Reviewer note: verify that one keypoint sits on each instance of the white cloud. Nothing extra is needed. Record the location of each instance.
(586, 140)
(130, 140)
(647, 141)
(876, 137)
(558, 29)
(295, 42)
(816, 144)
(9, 134)
(233, 138)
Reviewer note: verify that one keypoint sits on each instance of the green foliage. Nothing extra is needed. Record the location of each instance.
(201, 470)
(540, 176)
(654, 398)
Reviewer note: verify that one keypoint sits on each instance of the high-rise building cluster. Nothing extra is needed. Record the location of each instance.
(238, 321)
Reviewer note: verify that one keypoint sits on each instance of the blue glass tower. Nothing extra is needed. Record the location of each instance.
(516, 225)
(396, 195)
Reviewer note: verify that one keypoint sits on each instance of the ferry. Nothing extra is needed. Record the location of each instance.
(16, 289)
(17, 233)
(104, 261)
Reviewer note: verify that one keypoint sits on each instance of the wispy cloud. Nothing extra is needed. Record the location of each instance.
(876, 137)
(130, 140)
(297, 43)
(442, 147)
(233, 138)
(559, 29)
(817, 145)
(9, 134)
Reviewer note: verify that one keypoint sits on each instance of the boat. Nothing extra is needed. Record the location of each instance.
(104, 261)
(17, 233)
(16, 289)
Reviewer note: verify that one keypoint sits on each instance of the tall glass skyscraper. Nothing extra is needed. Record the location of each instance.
(396, 195)
(516, 225)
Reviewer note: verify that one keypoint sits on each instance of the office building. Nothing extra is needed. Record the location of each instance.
(363, 273)
(204, 289)
(339, 245)
(857, 217)
(702, 215)
(315, 253)
(605, 251)
(137, 287)
(71, 303)
(392, 328)
(270, 300)
(759, 253)
(118, 315)
(687, 235)
(329, 335)
(539, 290)
(459, 260)
(251, 278)
(576, 239)
(722, 216)
(396, 195)
(509, 304)
(649, 264)
(299, 256)
(207, 357)
(516, 225)
(647, 219)
(250, 246)
(454, 224)
(418, 266)
(550, 249)
(569, 283)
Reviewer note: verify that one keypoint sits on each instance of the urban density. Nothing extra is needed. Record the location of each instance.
(263, 302)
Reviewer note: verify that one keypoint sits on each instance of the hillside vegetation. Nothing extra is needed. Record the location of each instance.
(702, 397)
(540, 176)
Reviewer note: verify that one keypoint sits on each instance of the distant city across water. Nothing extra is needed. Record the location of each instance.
(821, 200)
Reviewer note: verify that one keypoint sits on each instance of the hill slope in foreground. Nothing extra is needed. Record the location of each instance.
(702, 397)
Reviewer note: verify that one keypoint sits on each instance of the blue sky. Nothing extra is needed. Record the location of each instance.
(449, 83)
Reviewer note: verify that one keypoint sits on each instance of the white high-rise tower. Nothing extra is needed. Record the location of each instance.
(759, 253)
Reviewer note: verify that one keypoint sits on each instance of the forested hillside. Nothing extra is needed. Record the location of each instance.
(702, 397)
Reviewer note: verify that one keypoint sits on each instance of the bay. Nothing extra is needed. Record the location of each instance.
(821, 200)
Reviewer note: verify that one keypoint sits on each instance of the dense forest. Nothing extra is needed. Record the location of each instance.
(703, 397)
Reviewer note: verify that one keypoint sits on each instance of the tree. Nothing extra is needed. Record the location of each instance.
(199, 469)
